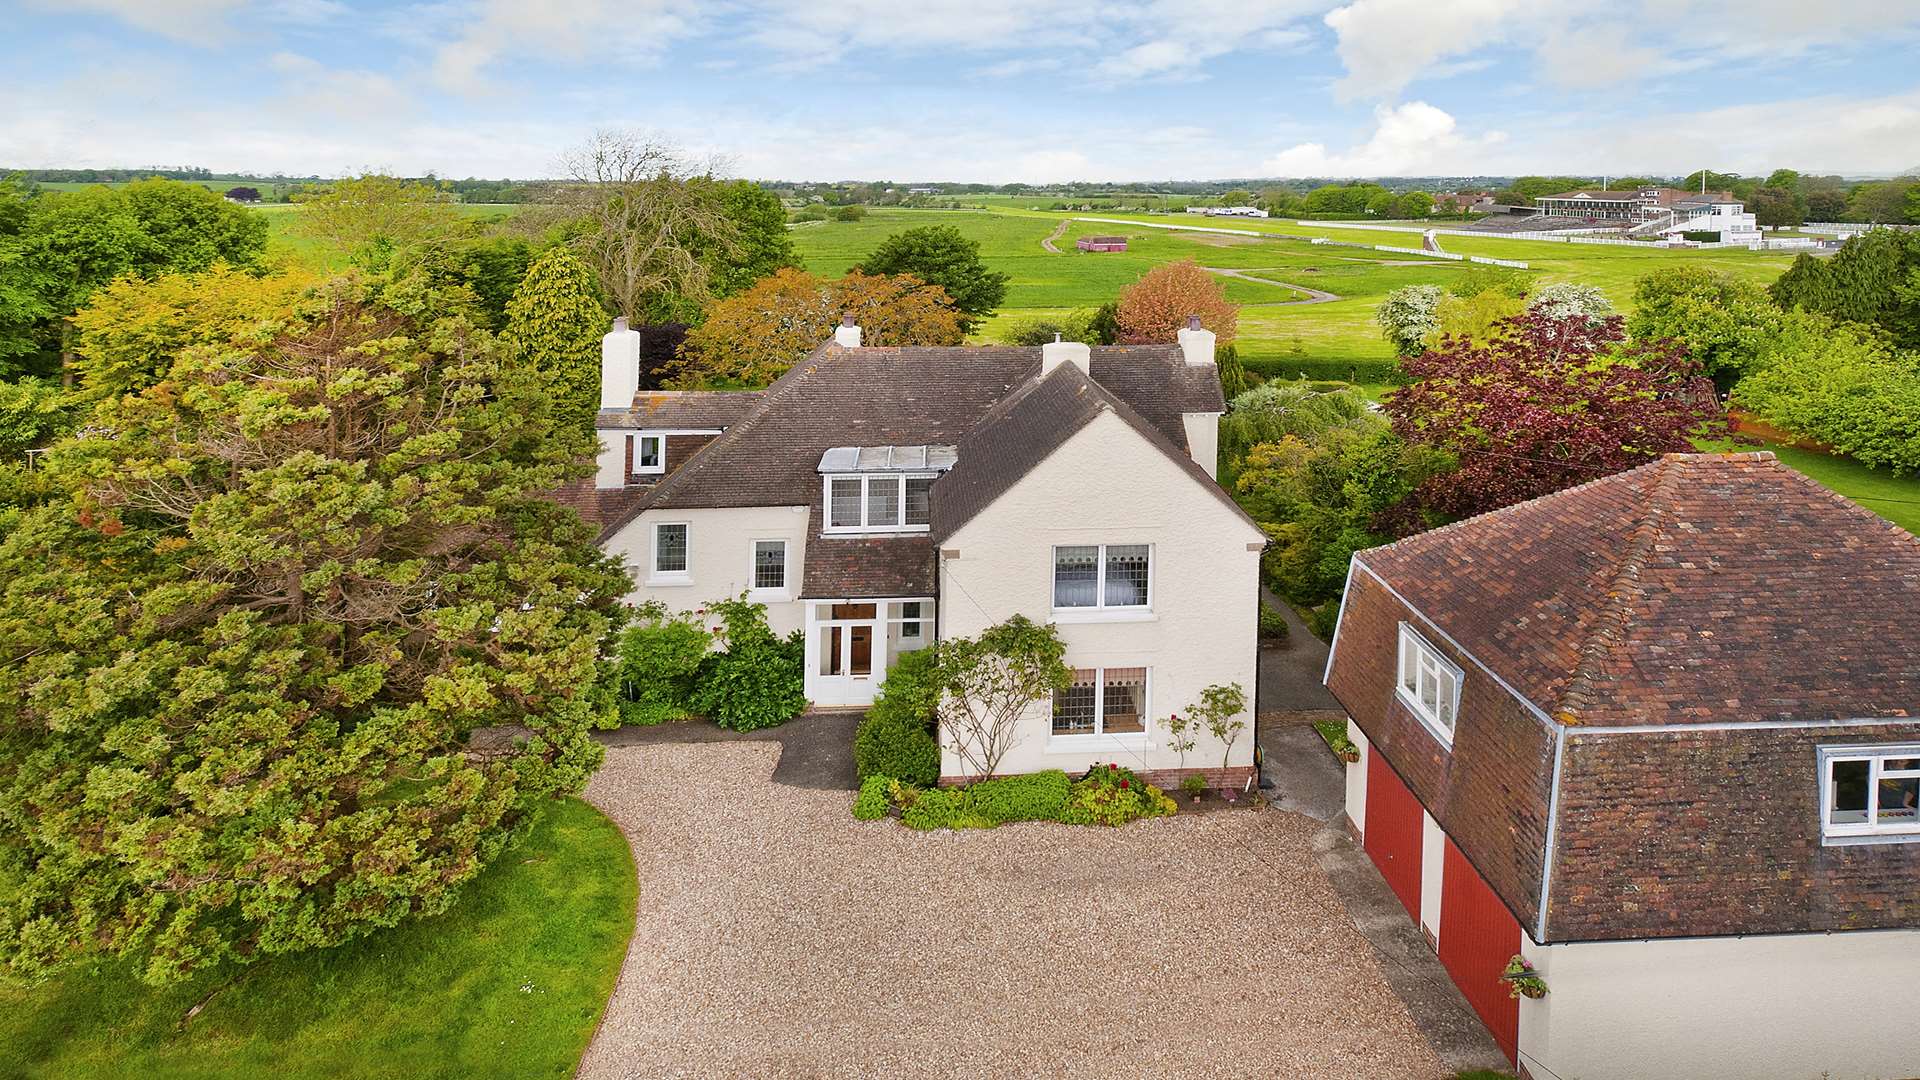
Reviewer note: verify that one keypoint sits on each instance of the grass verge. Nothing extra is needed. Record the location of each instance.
(511, 982)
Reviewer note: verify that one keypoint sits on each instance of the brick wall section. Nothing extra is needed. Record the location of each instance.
(1220, 781)
(1716, 832)
(1490, 792)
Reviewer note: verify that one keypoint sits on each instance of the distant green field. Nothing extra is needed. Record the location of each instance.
(1342, 331)
(221, 186)
(285, 241)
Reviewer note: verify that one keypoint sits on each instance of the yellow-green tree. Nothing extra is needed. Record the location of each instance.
(369, 217)
(554, 325)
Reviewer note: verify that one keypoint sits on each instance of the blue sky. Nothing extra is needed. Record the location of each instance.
(989, 90)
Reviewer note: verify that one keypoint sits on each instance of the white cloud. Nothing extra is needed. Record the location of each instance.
(197, 22)
(591, 32)
(1411, 139)
(309, 86)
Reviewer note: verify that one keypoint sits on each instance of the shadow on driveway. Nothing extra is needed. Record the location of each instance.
(816, 748)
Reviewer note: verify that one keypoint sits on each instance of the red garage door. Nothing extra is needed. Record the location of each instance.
(1477, 938)
(1393, 831)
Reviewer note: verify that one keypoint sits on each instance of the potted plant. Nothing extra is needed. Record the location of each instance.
(1522, 980)
(1195, 786)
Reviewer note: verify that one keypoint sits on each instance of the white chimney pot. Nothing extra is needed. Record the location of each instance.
(847, 334)
(619, 366)
(1055, 353)
(1196, 343)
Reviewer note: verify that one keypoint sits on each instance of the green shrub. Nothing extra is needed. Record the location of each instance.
(660, 654)
(896, 736)
(1040, 796)
(760, 680)
(1273, 625)
(1323, 619)
(942, 808)
(1193, 784)
(1111, 795)
(872, 802)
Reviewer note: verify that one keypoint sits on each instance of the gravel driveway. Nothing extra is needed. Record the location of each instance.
(779, 937)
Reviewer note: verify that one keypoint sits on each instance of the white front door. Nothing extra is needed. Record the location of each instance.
(844, 645)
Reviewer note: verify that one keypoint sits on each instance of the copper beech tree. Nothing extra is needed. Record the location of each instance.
(242, 656)
(1547, 404)
(1153, 309)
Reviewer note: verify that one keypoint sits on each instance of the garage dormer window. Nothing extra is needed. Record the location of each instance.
(1429, 684)
(1870, 794)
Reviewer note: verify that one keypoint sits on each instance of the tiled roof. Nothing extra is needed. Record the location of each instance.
(886, 396)
(1695, 589)
(866, 566)
(694, 409)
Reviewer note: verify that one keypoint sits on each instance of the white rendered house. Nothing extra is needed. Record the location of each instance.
(879, 499)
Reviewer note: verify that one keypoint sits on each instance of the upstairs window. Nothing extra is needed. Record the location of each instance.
(1870, 792)
(670, 550)
(1429, 684)
(879, 502)
(1102, 576)
(770, 564)
(650, 454)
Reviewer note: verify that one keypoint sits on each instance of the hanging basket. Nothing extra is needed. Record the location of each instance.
(1522, 981)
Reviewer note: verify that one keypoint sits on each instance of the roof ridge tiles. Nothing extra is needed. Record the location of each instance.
(1623, 589)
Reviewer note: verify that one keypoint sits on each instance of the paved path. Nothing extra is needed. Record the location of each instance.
(1058, 231)
(816, 748)
(1314, 296)
(1290, 673)
(776, 936)
(1301, 775)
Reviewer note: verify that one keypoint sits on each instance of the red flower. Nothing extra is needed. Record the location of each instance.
(1111, 766)
(1123, 785)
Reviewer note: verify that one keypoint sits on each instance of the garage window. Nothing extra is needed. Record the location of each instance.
(1870, 793)
(1429, 684)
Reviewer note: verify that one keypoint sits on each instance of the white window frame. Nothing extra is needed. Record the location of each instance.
(1099, 609)
(867, 483)
(1099, 736)
(1869, 831)
(683, 576)
(639, 447)
(918, 622)
(756, 591)
(1429, 662)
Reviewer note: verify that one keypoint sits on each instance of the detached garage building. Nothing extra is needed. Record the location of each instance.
(1660, 736)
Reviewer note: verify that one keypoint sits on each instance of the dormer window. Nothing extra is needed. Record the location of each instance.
(878, 489)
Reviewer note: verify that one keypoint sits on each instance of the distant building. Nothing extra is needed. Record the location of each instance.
(1101, 243)
(1228, 211)
(1455, 202)
(1664, 211)
(923, 191)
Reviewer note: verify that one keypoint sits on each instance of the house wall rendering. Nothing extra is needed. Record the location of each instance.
(719, 558)
(1108, 485)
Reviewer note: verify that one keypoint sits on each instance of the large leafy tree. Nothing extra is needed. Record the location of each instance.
(753, 338)
(1547, 404)
(1874, 278)
(1154, 308)
(764, 244)
(368, 218)
(130, 333)
(1720, 320)
(1842, 385)
(941, 255)
(69, 244)
(299, 654)
(554, 325)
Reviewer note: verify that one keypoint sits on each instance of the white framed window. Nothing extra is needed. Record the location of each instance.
(1870, 794)
(1102, 701)
(1428, 684)
(650, 454)
(879, 502)
(910, 626)
(769, 570)
(671, 548)
(1103, 576)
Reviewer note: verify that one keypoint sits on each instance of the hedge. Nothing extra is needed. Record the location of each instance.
(895, 739)
(1040, 796)
(1358, 371)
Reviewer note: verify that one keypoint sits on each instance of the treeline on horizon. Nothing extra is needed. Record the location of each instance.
(1784, 197)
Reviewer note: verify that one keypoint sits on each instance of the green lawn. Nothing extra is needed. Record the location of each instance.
(510, 983)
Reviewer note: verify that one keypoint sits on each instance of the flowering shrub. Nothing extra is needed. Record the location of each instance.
(1522, 980)
(1111, 795)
